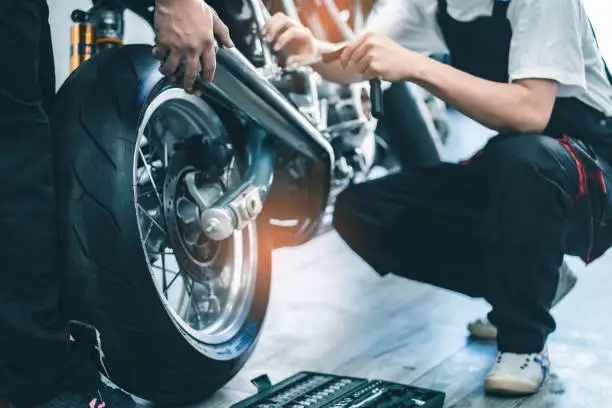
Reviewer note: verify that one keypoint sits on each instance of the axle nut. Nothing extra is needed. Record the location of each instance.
(217, 224)
(212, 226)
(253, 206)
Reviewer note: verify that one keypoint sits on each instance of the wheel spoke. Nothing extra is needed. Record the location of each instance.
(165, 157)
(150, 217)
(170, 283)
(144, 194)
(151, 132)
(161, 129)
(163, 268)
(186, 286)
(146, 238)
(154, 148)
(164, 279)
(161, 253)
(192, 301)
(189, 289)
(148, 170)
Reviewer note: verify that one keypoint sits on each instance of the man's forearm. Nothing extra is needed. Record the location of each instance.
(334, 71)
(499, 106)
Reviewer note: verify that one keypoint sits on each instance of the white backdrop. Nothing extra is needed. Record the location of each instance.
(600, 12)
(138, 32)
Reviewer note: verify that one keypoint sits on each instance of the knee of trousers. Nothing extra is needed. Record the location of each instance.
(526, 162)
(345, 208)
(357, 214)
(532, 183)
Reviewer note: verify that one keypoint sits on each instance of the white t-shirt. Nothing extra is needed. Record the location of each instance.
(551, 39)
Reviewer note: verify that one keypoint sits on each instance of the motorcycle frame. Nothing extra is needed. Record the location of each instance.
(242, 88)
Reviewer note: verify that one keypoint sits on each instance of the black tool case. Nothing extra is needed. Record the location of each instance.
(317, 390)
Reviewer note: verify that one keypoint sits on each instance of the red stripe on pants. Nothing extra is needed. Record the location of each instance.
(582, 190)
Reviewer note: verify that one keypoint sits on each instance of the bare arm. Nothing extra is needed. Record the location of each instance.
(523, 106)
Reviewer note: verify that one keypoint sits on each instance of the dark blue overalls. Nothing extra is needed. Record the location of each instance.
(497, 225)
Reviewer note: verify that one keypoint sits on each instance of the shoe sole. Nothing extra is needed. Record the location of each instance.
(482, 332)
(505, 387)
(509, 388)
(567, 281)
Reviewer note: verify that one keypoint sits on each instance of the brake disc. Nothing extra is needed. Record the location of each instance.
(202, 259)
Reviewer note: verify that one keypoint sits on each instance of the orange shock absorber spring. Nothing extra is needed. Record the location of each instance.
(82, 37)
(105, 43)
(109, 28)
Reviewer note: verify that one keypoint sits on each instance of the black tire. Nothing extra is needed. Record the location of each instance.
(108, 283)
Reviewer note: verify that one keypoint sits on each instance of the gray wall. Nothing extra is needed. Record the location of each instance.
(137, 31)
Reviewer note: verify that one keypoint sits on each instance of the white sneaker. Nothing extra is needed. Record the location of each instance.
(482, 329)
(518, 374)
(485, 330)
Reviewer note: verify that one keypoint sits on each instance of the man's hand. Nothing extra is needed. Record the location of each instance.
(186, 32)
(377, 56)
(291, 37)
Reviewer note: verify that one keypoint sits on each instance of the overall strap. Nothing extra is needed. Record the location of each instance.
(500, 8)
(442, 6)
(605, 65)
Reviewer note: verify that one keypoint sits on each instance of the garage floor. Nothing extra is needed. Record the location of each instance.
(330, 312)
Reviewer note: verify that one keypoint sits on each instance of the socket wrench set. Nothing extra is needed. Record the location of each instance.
(317, 390)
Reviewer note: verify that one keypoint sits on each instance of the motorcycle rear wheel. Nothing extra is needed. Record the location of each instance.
(127, 230)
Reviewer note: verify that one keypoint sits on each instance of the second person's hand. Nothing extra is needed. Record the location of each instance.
(376, 56)
(289, 36)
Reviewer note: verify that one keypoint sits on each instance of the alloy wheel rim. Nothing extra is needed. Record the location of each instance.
(207, 297)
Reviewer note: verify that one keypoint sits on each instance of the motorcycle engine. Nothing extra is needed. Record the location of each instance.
(341, 113)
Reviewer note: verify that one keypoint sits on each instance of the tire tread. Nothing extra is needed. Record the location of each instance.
(94, 126)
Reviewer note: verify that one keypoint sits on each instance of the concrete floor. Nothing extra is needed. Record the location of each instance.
(330, 312)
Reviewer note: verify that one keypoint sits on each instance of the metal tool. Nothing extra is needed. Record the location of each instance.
(376, 98)
(375, 395)
(325, 58)
(376, 93)
(307, 63)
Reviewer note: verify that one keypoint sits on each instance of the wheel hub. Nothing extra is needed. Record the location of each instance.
(200, 257)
